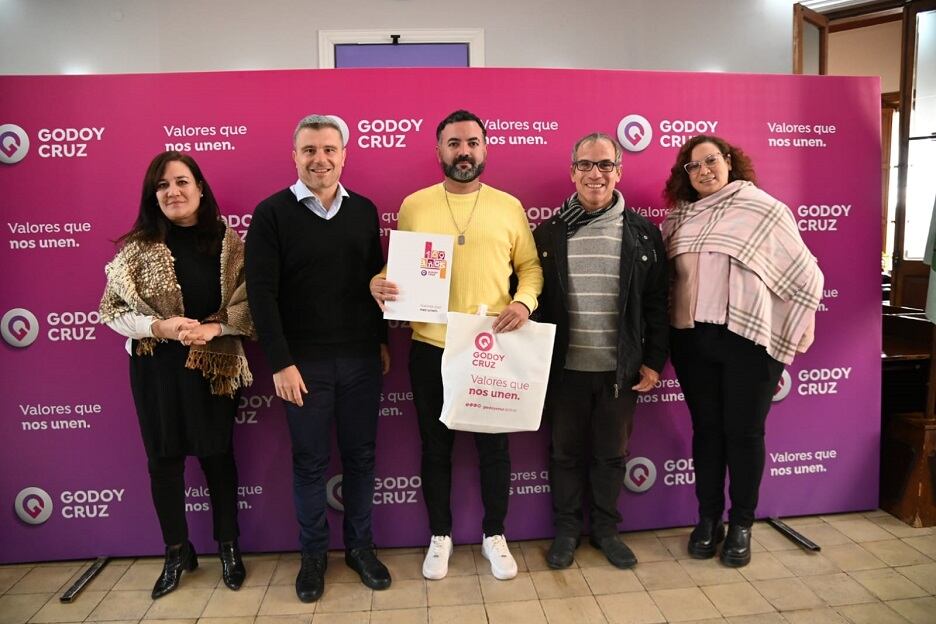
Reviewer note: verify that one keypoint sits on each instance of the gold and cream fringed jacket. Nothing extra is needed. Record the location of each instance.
(141, 279)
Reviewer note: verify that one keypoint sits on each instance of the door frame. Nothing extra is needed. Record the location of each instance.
(907, 270)
(801, 17)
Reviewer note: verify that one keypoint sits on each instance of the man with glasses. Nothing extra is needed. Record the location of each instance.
(492, 243)
(605, 287)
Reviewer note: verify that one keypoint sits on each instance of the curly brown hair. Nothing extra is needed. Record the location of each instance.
(679, 189)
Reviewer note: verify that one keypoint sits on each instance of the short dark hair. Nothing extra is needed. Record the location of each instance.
(460, 115)
(151, 224)
(678, 187)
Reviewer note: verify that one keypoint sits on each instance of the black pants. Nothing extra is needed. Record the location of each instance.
(590, 430)
(729, 383)
(167, 484)
(493, 455)
(344, 391)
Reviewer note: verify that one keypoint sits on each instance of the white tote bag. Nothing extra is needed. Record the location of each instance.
(494, 383)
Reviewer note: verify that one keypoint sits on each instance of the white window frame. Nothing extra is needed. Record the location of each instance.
(474, 37)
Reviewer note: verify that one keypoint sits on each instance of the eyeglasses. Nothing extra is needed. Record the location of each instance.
(693, 166)
(604, 166)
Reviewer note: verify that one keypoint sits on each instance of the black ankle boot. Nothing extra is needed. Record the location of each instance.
(705, 538)
(178, 558)
(737, 549)
(232, 565)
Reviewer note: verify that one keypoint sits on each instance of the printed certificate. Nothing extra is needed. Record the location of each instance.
(420, 265)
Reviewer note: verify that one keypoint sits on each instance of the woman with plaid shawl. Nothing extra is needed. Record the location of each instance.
(743, 299)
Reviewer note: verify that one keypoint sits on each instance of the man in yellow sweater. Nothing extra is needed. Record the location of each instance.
(492, 242)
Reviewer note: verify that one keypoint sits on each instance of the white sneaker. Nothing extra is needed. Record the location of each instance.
(435, 565)
(495, 550)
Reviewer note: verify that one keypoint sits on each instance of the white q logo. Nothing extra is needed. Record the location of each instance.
(333, 493)
(14, 143)
(783, 387)
(19, 327)
(345, 133)
(639, 474)
(634, 133)
(33, 505)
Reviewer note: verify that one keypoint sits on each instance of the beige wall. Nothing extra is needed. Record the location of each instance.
(868, 51)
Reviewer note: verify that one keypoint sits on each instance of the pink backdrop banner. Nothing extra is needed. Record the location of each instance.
(73, 150)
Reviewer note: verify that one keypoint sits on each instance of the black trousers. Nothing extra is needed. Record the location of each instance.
(167, 485)
(344, 391)
(425, 366)
(729, 383)
(590, 430)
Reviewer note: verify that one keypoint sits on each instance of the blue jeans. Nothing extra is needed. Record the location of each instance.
(345, 390)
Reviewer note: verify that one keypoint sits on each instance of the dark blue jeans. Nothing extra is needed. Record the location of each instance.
(345, 391)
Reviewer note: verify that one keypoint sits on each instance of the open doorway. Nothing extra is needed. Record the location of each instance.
(896, 40)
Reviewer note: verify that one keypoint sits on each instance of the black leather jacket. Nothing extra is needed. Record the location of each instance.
(643, 323)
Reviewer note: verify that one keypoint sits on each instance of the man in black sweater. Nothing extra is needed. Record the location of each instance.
(311, 251)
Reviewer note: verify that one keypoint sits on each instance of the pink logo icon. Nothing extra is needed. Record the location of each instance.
(9, 143)
(634, 131)
(333, 492)
(783, 387)
(19, 327)
(33, 505)
(639, 474)
(14, 144)
(484, 341)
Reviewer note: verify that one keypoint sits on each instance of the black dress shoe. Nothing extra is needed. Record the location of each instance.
(310, 582)
(364, 561)
(561, 552)
(178, 558)
(705, 537)
(232, 566)
(616, 551)
(736, 552)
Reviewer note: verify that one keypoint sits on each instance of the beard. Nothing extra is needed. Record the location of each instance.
(463, 175)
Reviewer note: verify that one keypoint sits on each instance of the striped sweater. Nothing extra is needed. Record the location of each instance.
(594, 286)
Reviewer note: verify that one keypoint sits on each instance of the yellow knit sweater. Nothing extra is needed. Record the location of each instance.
(498, 242)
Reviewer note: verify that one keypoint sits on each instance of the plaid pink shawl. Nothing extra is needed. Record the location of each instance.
(774, 285)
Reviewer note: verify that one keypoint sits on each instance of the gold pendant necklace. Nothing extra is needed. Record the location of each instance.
(461, 232)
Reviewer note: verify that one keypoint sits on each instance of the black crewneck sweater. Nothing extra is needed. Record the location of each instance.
(308, 279)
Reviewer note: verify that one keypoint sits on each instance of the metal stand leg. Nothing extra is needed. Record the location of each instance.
(794, 536)
(72, 592)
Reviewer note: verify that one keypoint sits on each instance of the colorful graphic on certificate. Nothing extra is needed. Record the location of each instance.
(420, 265)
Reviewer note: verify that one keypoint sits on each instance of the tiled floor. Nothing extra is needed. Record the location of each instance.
(872, 569)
